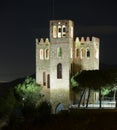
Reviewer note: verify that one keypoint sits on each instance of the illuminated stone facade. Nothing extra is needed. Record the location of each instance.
(61, 57)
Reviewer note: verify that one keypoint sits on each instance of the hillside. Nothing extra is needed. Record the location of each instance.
(4, 86)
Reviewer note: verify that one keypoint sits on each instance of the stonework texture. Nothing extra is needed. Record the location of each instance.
(79, 54)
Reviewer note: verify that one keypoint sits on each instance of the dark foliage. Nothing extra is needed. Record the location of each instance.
(76, 119)
(43, 112)
(7, 103)
(97, 78)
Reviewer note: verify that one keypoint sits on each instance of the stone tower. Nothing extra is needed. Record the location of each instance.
(42, 60)
(61, 59)
(43, 65)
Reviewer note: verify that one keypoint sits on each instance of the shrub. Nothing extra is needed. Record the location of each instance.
(43, 112)
(28, 91)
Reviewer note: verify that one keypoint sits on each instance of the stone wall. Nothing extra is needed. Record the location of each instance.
(86, 63)
(59, 91)
(59, 96)
(42, 65)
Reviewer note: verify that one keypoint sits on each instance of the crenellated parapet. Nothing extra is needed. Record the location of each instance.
(42, 41)
(86, 40)
(59, 58)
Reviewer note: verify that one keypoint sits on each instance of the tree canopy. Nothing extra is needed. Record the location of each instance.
(102, 80)
(95, 78)
(28, 91)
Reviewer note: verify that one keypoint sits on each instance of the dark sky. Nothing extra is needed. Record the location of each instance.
(21, 21)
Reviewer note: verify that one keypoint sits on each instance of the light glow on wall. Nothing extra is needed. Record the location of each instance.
(41, 54)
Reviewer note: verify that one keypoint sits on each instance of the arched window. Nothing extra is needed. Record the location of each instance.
(88, 53)
(44, 78)
(63, 31)
(82, 53)
(47, 54)
(59, 52)
(55, 31)
(41, 54)
(48, 81)
(59, 71)
(59, 31)
(77, 52)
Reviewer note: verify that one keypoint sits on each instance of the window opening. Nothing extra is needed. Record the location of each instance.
(88, 53)
(77, 52)
(59, 31)
(41, 54)
(59, 52)
(48, 81)
(47, 53)
(59, 71)
(63, 31)
(82, 53)
(44, 78)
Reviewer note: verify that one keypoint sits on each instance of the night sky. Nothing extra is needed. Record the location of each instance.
(21, 21)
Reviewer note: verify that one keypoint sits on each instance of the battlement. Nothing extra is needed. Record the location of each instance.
(87, 39)
(42, 41)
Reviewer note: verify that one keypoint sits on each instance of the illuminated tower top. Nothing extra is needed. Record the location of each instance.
(61, 30)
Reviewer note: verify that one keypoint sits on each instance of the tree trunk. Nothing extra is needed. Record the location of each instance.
(116, 103)
(83, 103)
(114, 95)
(100, 98)
(115, 99)
(88, 98)
(81, 98)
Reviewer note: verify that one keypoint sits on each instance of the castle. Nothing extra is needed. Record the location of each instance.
(60, 57)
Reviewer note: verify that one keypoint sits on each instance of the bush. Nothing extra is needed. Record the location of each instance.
(28, 91)
(29, 110)
(43, 112)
